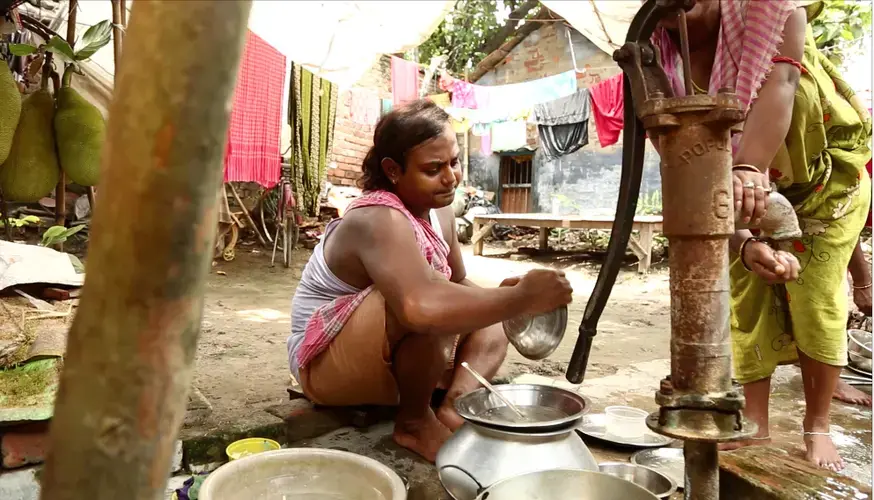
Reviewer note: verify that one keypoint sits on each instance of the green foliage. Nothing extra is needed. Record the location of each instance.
(841, 26)
(650, 204)
(464, 33)
(59, 234)
(22, 222)
(95, 38)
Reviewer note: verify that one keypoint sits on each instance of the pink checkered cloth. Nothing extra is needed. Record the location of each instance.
(750, 32)
(328, 320)
(256, 119)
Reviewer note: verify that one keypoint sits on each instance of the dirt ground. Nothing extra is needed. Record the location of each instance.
(242, 358)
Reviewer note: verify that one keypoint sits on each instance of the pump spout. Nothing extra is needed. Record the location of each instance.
(780, 222)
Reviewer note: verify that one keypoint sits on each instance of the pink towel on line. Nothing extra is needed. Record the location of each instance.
(404, 81)
(608, 108)
(252, 154)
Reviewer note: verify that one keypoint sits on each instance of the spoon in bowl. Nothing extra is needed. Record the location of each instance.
(482, 380)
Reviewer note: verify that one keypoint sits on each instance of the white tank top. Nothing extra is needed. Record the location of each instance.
(318, 286)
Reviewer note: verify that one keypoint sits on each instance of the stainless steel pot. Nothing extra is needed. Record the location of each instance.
(483, 451)
(563, 485)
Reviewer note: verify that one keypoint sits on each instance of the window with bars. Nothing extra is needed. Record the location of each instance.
(516, 176)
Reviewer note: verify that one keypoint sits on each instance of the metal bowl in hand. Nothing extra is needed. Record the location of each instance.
(564, 485)
(536, 337)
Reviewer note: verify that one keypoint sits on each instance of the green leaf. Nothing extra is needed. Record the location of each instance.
(21, 49)
(94, 39)
(60, 47)
(52, 235)
(847, 34)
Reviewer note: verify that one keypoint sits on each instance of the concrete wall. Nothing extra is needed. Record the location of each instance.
(589, 179)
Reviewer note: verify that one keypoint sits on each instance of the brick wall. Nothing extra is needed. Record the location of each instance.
(588, 177)
(352, 140)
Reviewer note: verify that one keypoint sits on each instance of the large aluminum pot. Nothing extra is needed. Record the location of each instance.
(563, 485)
(303, 473)
(484, 451)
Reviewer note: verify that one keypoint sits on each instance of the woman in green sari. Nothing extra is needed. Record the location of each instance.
(807, 132)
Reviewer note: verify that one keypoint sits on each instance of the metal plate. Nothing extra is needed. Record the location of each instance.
(595, 426)
(857, 370)
(473, 405)
(668, 461)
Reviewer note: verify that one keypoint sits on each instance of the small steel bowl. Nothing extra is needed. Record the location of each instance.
(536, 337)
(653, 481)
(474, 404)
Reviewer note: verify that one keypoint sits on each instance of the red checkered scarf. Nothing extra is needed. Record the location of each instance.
(329, 319)
(750, 32)
(252, 153)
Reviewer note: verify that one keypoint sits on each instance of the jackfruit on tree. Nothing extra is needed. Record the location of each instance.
(80, 132)
(31, 171)
(10, 111)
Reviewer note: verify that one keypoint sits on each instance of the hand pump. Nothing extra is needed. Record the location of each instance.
(693, 132)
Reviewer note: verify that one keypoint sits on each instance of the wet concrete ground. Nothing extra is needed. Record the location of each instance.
(632, 385)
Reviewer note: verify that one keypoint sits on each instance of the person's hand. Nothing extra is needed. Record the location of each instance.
(773, 266)
(750, 195)
(544, 290)
(862, 298)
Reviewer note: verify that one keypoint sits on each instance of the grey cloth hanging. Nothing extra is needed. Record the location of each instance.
(563, 124)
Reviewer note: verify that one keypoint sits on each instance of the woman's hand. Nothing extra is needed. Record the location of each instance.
(862, 299)
(750, 195)
(544, 290)
(773, 266)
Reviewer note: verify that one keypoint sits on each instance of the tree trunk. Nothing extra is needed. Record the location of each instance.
(510, 26)
(131, 347)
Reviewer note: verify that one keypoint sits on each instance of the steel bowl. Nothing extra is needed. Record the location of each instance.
(859, 349)
(565, 484)
(654, 481)
(536, 337)
(474, 405)
(300, 473)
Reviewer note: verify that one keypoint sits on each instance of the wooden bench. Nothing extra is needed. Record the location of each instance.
(646, 225)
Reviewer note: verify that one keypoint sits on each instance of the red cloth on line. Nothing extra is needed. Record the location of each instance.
(253, 152)
(607, 109)
(404, 81)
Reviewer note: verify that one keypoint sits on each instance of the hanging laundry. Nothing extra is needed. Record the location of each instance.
(441, 100)
(313, 110)
(404, 81)
(608, 108)
(563, 124)
(509, 136)
(445, 81)
(387, 106)
(463, 95)
(365, 107)
(252, 153)
(485, 143)
(526, 94)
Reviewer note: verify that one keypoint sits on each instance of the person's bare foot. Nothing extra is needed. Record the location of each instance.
(822, 451)
(449, 417)
(846, 393)
(423, 436)
(760, 440)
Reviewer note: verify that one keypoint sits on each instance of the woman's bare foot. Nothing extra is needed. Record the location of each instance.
(822, 451)
(449, 417)
(760, 440)
(423, 436)
(848, 394)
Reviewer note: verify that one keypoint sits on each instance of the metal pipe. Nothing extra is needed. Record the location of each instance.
(131, 347)
(702, 471)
